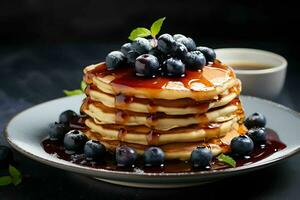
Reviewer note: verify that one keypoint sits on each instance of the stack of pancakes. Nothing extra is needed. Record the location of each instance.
(176, 114)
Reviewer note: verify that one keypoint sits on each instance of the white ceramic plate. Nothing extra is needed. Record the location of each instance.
(27, 129)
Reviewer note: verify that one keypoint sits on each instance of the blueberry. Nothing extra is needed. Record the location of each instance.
(179, 50)
(174, 67)
(6, 156)
(258, 135)
(68, 116)
(255, 120)
(194, 60)
(125, 156)
(57, 131)
(158, 54)
(131, 57)
(242, 145)
(165, 43)
(74, 141)
(146, 65)
(201, 157)
(154, 156)
(114, 60)
(126, 48)
(94, 150)
(141, 45)
(177, 36)
(188, 42)
(209, 53)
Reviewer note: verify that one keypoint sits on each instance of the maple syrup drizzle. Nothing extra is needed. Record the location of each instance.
(125, 77)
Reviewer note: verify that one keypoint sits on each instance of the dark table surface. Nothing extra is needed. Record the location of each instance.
(32, 75)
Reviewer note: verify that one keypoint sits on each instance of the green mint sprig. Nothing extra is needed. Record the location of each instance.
(227, 159)
(15, 177)
(144, 32)
(77, 91)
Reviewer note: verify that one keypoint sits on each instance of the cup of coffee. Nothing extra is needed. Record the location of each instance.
(262, 72)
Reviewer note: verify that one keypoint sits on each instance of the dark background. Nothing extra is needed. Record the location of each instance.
(44, 46)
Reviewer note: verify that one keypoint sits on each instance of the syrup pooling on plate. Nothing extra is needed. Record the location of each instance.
(273, 145)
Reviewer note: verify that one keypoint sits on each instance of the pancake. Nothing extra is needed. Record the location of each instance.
(205, 84)
(105, 115)
(181, 151)
(153, 137)
(170, 107)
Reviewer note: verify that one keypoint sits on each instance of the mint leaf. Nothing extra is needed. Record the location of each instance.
(15, 174)
(5, 180)
(227, 159)
(73, 92)
(83, 85)
(156, 26)
(139, 32)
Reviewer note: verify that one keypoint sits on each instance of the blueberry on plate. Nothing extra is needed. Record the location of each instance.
(241, 145)
(201, 157)
(57, 131)
(141, 45)
(174, 67)
(146, 65)
(114, 60)
(154, 157)
(177, 36)
(258, 135)
(255, 120)
(165, 43)
(6, 156)
(74, 141)
(125, 156)
(209, 53)
(188, 42)
(179, 50)
(125, 48)
(94, 150)
(194, 60)
(131, 57)
(68, 116)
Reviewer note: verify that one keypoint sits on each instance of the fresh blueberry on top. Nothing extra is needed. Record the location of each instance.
(188, 42)
(194, 60)
(179, 50)
(114, 60)
(174, 67)
(74, 141)
(258, 135)
(165, 43)
(255, 120)
(141, 45)
(154, 157)
(146, 65)
(68, 116)
(125, 48)
(177, 36)
(6, 156)
(57, 131)
(131, 57)
(94, 150)
(242, 145)
(125, 156)
(209, 53)
(201, 157)
(158, 54)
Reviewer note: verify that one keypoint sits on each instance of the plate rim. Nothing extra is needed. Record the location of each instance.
(94, 171)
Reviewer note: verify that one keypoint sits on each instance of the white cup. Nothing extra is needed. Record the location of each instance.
(262, 82)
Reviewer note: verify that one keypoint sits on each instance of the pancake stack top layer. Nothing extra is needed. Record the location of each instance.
(177, 114)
